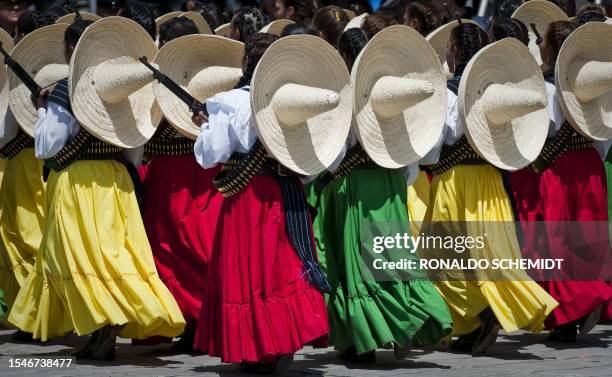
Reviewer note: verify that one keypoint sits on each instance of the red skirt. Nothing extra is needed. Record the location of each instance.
(180, 215)
(257, 305)
(573, 188)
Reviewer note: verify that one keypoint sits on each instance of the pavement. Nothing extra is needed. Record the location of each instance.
(516, 354)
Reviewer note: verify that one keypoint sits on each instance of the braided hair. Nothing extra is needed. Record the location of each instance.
(376, 22)
(556, 33)
(254, 48)
(351, 43)
(174, 28)
(30, 21)
(246, 22)
(297, 28)
(329, 22)
(303, 10)
(55, 13)
(424, 17)
(140, 13)
(568, 6)
(508, 28)
(590, 16)
(506, 8)
(466, 40)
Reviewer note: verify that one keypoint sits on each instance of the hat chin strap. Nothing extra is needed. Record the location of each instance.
(392, 95)
(115, 81)
(593, 80)
(502, 103)
(294, 104)
(213, 80)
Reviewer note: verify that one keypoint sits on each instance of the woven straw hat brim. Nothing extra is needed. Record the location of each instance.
(439, 41)
(166, 17)
(131, 121)
(7, 44)
(356, 22)
(276, 27)
(541, 13)
(592, 118)
(393, 141)
(509, 145)
(199, 21)
(223, 30)
(183, 58)
(34, 52)
(69, 18)
(313, 145)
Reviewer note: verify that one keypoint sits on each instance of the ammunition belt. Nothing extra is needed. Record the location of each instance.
(460, 153)
(565, 140)
(83, 147)
(166, 143)
(239, 170)
(356, 158)
(16, 145)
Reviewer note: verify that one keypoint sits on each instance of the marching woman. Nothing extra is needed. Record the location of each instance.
(263, 297)
(566, 186)
(468, 195)
(362, 194)
(95, 272)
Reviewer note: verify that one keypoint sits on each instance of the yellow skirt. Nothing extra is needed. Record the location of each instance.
(418, 200)
(95, 265)
(22, 195)
(475, 194)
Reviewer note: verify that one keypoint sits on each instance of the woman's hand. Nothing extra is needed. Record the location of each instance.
(199, 118)
(41, 100)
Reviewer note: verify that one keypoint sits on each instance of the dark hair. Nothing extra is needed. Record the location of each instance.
(469, 39)
(30, 21)
(248, 21)
(508, 28)
(506, 8)
(74, 31)
(568, 6)
(140, 13)
(591, 7)
(426, 14)
(254, 48)
(297, 29)
(360, 7)
(376, 22)
(55, 13)
(211, 13)
(351, 43)
(556, 33)
(303, 10)
(330, 21)
(174, 28)
(591, 16)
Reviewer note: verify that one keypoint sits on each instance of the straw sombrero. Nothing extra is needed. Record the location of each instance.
(199, 21)
(276, 27)
(208, 64)
(301, 98)
(69, 18)
(41, 54)
(439, 41)
(502, 101)
(223, 30)
(583, 75)
(166, 17)
(356, 22)
(111, 92)
(399, 97)
(541, 13)
(7, 44)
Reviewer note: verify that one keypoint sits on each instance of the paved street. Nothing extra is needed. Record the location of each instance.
(519, 354)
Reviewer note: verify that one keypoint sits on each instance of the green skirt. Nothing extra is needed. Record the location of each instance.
(3, 306)
(608, 165)
(366, 311)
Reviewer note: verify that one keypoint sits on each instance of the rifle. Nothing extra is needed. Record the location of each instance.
(21, 73)
(535, 31)
(194, 105)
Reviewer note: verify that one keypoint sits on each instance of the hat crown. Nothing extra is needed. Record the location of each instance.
(212, 80)
(392, 95)
(51, 73)
(594, 79)
(503, 103)
(294, 104)
(115, 80)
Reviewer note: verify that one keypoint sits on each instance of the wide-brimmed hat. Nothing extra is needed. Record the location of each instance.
(301, 97)
(356, 22)
(502, 101)
(541, 13)
(199, 21)
(583, 75)
(7, 44)
(69, 18)
(111, 92)
(166, 17)
(399, 97)
(276, 27)
(439, 41)
(204, 65)
(41, 54)
(223, 30)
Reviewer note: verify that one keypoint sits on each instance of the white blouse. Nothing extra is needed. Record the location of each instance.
(555, 114)
(8, 128)
(451, 133)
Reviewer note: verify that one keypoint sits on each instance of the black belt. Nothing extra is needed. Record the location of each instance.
(565, 140)
(356, 158)
(20, 142)
(460, 153)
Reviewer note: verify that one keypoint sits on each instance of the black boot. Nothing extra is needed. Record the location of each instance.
(185, 342)
(589, 322)
(564, 333)
(350, 354)
(489, 329)
(279, 367)
(104, 349)
(85, 352)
